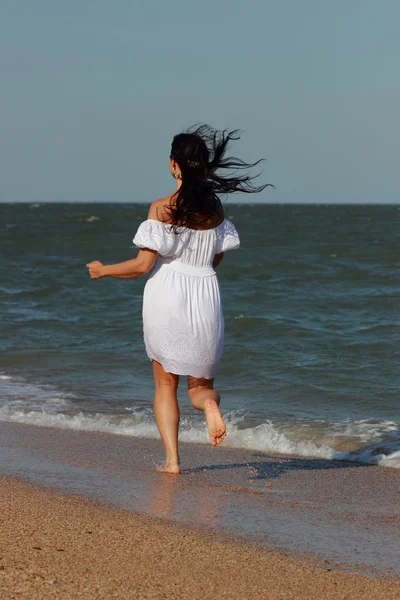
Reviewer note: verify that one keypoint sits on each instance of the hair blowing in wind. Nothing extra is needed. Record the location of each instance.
(207, 174)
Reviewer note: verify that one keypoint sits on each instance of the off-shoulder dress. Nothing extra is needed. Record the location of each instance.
(183, 322)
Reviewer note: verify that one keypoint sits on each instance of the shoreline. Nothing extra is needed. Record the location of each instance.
(310, 511)
(58, 546)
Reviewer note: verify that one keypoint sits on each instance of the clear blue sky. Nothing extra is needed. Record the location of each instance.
(93, 91)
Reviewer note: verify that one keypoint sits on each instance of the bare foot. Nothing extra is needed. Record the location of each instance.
(215, 422)
(174, 469)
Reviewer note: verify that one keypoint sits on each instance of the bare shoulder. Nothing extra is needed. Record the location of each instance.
(158, 209)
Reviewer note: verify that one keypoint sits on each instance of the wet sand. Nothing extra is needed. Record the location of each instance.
(57, 546)
(236, 523)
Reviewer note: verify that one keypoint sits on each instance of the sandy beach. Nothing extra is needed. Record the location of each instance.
(55, 546)
(85, 515)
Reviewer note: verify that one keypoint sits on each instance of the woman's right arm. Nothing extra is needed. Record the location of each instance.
(127, 269)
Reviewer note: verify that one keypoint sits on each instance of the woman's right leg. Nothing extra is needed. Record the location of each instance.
(204, 397)
(166, 412)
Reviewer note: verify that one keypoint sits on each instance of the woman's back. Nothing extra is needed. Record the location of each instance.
(196, 247)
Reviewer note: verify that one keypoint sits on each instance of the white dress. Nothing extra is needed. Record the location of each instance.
(183, 322)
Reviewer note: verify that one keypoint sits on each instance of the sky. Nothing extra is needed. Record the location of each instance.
(93, 91)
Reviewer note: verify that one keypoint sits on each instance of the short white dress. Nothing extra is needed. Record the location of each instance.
(183, 322)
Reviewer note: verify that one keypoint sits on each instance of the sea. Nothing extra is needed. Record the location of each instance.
(311, 365)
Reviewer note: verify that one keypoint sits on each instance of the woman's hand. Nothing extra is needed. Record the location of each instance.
(95, 269)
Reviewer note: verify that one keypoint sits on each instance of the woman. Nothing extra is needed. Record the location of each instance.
(185, 237)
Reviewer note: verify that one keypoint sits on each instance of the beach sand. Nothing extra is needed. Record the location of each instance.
(85, 515)
(56, 546)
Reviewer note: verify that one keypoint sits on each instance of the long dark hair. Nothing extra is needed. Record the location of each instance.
(200, 154)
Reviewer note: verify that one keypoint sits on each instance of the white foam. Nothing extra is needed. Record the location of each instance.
(265, 437)
(367, 441)
(17, 394)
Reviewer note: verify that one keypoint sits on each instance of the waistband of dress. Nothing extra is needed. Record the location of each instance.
(186, 269)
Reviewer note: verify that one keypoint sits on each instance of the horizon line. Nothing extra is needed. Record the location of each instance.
(237, 203)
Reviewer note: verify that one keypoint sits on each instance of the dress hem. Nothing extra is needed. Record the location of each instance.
(167, 370)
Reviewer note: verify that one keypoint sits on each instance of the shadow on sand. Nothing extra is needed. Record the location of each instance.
(273, 467)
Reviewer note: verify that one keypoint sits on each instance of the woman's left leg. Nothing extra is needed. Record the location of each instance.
(203, 397)
(166, 412)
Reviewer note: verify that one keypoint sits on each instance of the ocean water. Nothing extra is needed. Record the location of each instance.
(312, 317)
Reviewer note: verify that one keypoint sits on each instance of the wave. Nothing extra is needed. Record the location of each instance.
(375, 442)
(33, 294)
(265, 437)
(366, 441)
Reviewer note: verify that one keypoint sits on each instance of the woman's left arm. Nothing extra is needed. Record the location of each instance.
(124, 270)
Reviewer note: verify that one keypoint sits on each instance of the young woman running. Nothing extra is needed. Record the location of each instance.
(184, 240)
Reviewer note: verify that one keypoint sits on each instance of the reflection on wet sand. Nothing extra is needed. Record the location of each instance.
(202, 508)
(162, 495)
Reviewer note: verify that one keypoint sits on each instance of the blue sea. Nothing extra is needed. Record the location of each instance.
(312, 321)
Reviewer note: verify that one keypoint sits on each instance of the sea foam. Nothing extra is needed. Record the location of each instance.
(367, 441)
